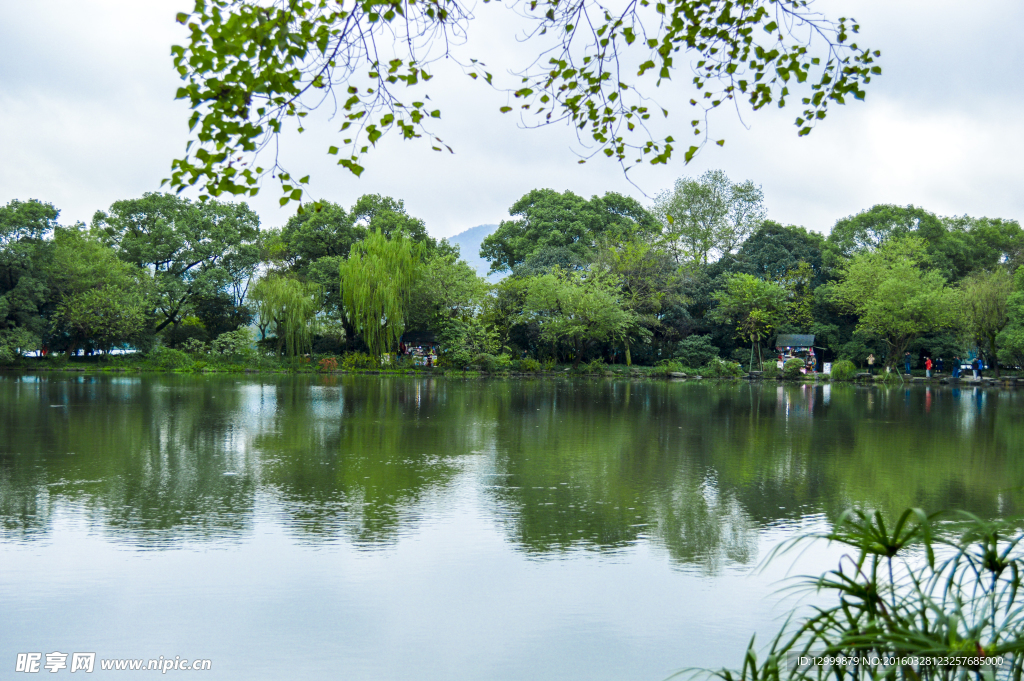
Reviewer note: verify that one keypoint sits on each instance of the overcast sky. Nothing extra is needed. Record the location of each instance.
(87, 117)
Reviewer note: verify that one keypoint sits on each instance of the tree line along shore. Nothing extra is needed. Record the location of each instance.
(699, 282)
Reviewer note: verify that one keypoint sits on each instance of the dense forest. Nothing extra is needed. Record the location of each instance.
(701, 276)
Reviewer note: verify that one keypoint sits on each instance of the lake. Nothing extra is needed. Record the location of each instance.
(363, 527)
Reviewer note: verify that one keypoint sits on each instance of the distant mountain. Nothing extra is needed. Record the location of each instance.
(469, 245)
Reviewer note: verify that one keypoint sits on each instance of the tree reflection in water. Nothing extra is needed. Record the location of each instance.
(559, 466)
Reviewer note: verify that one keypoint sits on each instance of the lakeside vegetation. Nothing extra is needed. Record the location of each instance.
(699, 282)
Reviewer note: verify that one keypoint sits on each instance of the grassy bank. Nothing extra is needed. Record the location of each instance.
(175, 361)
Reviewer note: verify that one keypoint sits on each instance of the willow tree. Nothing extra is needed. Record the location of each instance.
(377, 282)
(290, 307)
(984, 309)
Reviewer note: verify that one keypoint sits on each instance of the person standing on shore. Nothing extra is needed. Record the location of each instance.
(927, 367)
(954, 371)
(939, 365)
(976, 366)
(906, 362)
(871, 363)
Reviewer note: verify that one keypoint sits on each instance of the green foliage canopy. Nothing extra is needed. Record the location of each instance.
(894, 297)
(1011, 338)
(544, 219)
(709, 215)
(984, 309)
(578, 307)
(754, 307)
(955, 246)
(100, 300)
(25, 296)
(193, 250)
(773, 250)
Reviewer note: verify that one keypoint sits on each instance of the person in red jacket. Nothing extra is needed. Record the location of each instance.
(928, 367)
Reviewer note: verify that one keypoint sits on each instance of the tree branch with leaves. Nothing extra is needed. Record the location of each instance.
(251, 68)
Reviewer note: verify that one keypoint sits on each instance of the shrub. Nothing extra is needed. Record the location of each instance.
(550, 363)
(14, 343)
(529, 365)
(194, 346)
(328, 364)
(695, 351)
(770, 369)
(791, 369)
(237, 343)
(358, 360)
(170, 359)
(668, 366)
(57, 359)
(596, 367)
(464, 339)
(720, 368)
(483, 360)
(843, 370)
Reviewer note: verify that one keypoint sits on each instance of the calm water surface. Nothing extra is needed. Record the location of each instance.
(389, 528)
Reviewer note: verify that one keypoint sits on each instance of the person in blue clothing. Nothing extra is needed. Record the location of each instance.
(939, 365)
(906, 362)
(976, 365)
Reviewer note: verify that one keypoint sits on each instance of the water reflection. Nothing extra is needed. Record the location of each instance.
(697, 469)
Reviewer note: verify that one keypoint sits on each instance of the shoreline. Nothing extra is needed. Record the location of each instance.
(633, 373)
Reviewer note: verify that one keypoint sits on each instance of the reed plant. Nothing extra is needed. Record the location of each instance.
(927, 597)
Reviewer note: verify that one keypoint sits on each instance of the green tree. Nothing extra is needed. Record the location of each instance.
(972, 244)
(102, 317)
(192, 249)
(546, 259)
(389, 217)
(502, 312)
(319, 238)
(773, 250)
(251, 68)
(709, 216)
(321, 230)
(798, 283)
(447, 299)
(1011, 338)
(289, 307)
(100, 300)
(25, 296)
(650, 283)
(447, 289)
(984, 309)
(869, 229)
(578, 307)
(893, 296)
(377, 283)
(955, 246)
(544, 219)
(754, 307)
